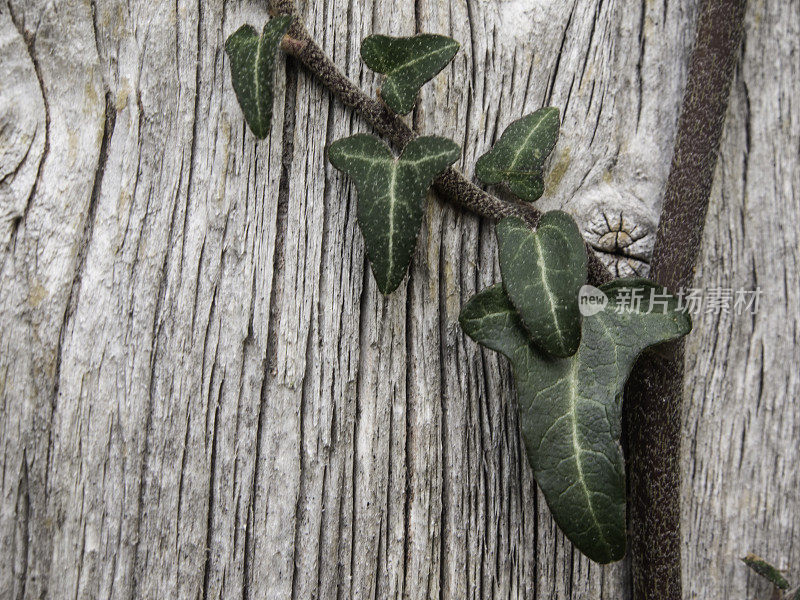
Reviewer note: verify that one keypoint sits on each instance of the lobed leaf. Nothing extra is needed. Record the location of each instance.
(390, 194)
(766, 570)
(543, 271)
(408, 63)
(570, 408)
(518, 156)
(252, 67)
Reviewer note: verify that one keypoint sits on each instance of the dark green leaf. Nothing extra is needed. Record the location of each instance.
(252, 66)
(542, 273)
(390, 194)
(408, 63)
(519, 154)
(766, 570)
(570, 408)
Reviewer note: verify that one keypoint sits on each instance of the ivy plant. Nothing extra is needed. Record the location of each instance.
(408, 64)
(766, 570)
(252, 66)
(519, 155)
(570, 366)
(390, 194)
(781, 586)
(570, 408)
(543, 272)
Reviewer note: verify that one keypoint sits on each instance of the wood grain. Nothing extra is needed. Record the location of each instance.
(741, 490)
(204, 395)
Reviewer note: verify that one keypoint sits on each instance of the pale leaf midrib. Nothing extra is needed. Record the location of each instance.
(548, 292)
(523, 145)
(392, 203)
(422, 159)
(364, 158)
(410, 63)
(573, 395)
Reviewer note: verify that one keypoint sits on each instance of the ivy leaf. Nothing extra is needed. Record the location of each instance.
(766, 570)
(408, 63)
(390, 194)
(519, 154)
(543, 272)
(252, 66)
(570, 408)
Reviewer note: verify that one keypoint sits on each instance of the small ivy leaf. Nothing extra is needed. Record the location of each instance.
(570, 408)
(543, 272)
(252, 66)
(519, 154)
(390, 194)
(766, 570)
(408, 64)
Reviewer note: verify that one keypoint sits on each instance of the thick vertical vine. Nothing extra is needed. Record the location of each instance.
(654, 394)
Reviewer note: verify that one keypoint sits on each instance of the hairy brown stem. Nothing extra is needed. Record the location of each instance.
(654, 394)
(451, 185)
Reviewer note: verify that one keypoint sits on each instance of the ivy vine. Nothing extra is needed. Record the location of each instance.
(570, 365)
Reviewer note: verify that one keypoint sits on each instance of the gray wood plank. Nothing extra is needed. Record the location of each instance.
(203, 393)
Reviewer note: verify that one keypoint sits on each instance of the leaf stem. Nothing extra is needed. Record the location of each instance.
(653, 399)
(451, 184)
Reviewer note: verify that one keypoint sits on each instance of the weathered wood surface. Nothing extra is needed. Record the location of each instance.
(742, 424)
(203, 394)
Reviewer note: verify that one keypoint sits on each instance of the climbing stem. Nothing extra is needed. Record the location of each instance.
(653, 399)
(451, 185)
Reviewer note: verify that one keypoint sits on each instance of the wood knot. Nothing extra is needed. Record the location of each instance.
(619, 226)
(616, 239)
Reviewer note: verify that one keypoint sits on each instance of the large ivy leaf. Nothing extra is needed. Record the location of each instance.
(408, 63)
(390, 194)
(252, 66)
(543, 272)
(570, 408)
(519, 154)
